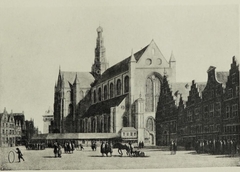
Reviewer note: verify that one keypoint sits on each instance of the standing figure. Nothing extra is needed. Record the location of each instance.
(55, 149)
(20, 155)
(174, 148)
(171, 147)
(59, 151)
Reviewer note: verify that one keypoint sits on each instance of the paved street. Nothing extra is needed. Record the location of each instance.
(87, 159)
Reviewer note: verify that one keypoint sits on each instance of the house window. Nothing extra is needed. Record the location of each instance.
(233, 78)
(234, 110)
(3, 131)
(211, 110)
(217, 109)
(237, 90)
(227, 112)
(230, 93)
(123, 133)
(206, 112)
(197, 113)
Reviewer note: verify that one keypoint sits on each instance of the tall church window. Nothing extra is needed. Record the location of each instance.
(119, 87)
(157, 88)
(111, 90)
(99, 94)
(105, 92)
(149, 95)
(126, 84)
(150, 124)
(94, 96)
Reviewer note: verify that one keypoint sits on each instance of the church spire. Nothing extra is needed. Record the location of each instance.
(100, 61)
(132, 57)
(172, 58)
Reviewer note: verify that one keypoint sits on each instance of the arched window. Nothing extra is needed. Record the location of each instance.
(150, 124)
(157, 88)
(99, 94)
(149, 95)
(111, 90)
(126, 84)
(119, 86)
(94, 96)
(105, 92)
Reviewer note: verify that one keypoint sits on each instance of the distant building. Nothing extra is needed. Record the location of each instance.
(7, 129)
(47, 119)
(20, 128)
(202, 111)
(30, 129)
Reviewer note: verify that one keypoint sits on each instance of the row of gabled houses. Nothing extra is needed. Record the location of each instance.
(14, 129)
(190, 112)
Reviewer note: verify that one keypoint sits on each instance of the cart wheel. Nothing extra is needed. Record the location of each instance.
(11, 156)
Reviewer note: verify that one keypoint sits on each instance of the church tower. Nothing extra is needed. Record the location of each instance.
(100, 62)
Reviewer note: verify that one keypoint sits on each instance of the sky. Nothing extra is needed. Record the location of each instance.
(37, 37)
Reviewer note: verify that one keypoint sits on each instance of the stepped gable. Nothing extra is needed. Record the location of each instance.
(120, 67)
(84, 78)
(104, 106)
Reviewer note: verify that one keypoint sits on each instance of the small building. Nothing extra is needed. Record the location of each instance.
(7, 129)
(47, 119)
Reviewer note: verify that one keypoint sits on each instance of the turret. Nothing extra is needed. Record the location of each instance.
(100, 62)
(172, 66)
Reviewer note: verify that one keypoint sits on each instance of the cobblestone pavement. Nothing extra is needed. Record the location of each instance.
(88, 159)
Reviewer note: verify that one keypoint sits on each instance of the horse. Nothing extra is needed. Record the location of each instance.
(106, 148)
(121, 147)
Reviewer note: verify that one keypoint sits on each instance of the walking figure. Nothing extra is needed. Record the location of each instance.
(20, 155)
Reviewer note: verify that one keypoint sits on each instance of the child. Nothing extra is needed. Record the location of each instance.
(20, 155)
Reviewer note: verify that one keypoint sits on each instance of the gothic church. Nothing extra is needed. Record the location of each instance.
(120, 99)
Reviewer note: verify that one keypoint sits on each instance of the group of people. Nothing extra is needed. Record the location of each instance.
(140, 144)
(35, 146)
(217, 147)
(69, 147)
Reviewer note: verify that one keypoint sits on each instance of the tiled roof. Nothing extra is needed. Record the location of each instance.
(222, 76)
(104, 106)
(121, 66)
(84, 78)
(128, 129)
(39, 137)
(54, 136)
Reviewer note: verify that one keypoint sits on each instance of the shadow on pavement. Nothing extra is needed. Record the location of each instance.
(193, 153)
(117, 156)
(49, 157)
(225, 156)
